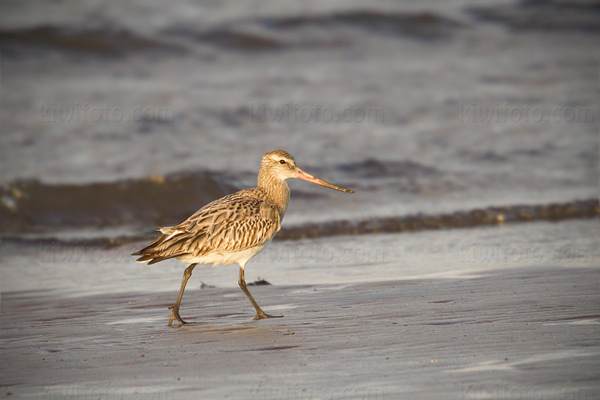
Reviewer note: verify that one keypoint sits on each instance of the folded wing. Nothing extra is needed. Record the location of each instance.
(233, 223)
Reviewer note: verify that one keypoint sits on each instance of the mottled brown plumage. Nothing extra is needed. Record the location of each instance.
(236, 222)
(232, 229)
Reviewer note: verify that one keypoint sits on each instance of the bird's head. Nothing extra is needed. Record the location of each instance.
(280, 165)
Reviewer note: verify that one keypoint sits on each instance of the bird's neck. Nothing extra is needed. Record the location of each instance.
(278, 191)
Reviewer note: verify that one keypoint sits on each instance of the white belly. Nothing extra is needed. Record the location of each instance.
(224, 258)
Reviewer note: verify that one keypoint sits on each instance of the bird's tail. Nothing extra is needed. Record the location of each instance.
(159, 249)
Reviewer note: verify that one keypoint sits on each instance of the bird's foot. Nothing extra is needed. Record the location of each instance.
(175, 315)
(263, 315)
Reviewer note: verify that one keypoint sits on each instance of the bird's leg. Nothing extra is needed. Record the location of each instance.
(175, 314)
(260, 314)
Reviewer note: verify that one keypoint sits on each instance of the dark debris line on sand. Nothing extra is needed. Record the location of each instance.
(460, 219)
(409, 223)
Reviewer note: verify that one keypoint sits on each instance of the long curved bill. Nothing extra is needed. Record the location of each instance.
(309, 178)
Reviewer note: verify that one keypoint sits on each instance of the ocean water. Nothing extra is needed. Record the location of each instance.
(117, 118)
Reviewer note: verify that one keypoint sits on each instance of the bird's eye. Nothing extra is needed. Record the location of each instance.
(281, 161)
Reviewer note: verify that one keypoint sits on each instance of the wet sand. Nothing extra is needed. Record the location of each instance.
(518, 333)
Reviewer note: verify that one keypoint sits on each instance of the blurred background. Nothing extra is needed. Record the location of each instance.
(120, 117)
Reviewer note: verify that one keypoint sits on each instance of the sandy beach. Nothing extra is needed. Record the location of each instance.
(523, 334)
(477, 329)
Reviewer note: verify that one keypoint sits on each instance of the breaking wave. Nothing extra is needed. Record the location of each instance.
(33, 206)
(101, 41)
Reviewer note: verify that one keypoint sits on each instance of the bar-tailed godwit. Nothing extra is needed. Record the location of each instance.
(232, 229)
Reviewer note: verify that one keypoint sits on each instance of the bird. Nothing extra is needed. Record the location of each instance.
(232, 229)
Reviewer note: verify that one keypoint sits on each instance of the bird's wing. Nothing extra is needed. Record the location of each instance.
(232, 223)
